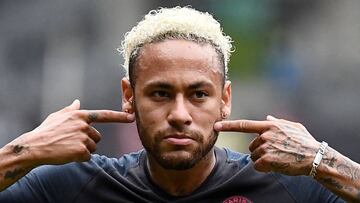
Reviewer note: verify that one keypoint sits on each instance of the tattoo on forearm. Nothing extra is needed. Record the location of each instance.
(14, 173)
(357, 174)
(345, 170)
(332, 182)
(350, 175)
(330, 159)
(332, 162)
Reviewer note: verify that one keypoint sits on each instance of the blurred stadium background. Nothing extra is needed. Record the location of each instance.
(298, 60)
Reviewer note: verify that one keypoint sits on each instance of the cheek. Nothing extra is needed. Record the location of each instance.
(149, 114)
(206, 117)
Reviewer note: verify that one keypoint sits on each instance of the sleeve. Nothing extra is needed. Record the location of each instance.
(49, 184)
(305, 189)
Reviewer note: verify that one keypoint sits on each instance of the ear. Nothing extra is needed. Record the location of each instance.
(226, 100)
(127, 96)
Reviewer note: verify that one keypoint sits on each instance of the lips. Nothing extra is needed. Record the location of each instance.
(178, 136)
(178, 139)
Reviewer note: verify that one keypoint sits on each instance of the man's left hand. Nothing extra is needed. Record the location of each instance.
(281, 146)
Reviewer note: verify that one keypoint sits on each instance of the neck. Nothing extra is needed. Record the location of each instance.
(181, 182)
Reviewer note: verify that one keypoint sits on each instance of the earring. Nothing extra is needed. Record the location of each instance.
(224, 115)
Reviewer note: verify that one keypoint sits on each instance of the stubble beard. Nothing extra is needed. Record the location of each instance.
(171, 162)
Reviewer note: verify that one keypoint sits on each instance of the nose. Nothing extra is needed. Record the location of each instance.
(179, 115)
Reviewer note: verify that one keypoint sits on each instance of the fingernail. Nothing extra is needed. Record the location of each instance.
(217, 126)
(130, 117)
(76, 103)
(270, 118)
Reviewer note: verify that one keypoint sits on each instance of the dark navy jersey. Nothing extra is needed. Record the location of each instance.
(126, 179)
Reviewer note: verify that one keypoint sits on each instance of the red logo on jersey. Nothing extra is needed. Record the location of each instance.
(237, 199)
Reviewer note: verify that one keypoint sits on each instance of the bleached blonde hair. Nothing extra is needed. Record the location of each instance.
(176, 23)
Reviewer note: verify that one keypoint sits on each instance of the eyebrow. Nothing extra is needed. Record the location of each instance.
(166, 85)
(197, 85)
(162, 85)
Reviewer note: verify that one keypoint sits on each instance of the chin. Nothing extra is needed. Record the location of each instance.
(177, 160)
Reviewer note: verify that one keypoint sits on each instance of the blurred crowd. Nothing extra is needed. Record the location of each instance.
(298, 60)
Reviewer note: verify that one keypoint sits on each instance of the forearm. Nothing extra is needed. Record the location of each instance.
(340, 175)
(15, 162)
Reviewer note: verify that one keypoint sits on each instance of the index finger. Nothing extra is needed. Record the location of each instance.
(245, 126)
(107, 116)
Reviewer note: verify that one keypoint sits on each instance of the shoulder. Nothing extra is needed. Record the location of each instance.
(44, 181)
(78, 170)
(121, 165)
(304, 188)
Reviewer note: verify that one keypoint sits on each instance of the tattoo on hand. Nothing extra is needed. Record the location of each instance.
(286, 143)
(17, 149)
(279, 166)
(14, 173)
(92, 117)
(300, 157)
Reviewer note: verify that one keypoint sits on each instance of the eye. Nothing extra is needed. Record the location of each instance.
(200, 94)
(160, 94)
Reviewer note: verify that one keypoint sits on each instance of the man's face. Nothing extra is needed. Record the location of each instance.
(178, 96)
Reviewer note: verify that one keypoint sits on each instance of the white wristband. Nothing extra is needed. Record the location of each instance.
(318, 158)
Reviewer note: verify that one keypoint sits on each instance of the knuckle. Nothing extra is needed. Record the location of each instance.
(76, 114)
(253, 157)
(259, 165)
(86, 156)
(83, 150)
(266, 159)
(52, 115)
(262, 138)
(275, 125)
(93, 148)
(83, 126)
(83, 138)
(80, 113)
(98, 138)
(263, 149)
(242, 125)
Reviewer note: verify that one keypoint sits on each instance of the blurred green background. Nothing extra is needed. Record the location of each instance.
(298, 60)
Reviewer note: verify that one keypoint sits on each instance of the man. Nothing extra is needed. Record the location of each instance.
(178, 93)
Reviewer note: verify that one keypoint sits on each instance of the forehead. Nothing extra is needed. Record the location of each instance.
(178, 60)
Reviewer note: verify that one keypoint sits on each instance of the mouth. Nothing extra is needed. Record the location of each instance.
(178, 139)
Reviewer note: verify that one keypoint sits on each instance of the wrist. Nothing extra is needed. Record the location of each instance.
(327, 167)
(20, 152)
(318, 158)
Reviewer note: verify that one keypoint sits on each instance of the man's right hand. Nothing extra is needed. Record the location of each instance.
(66, 135)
